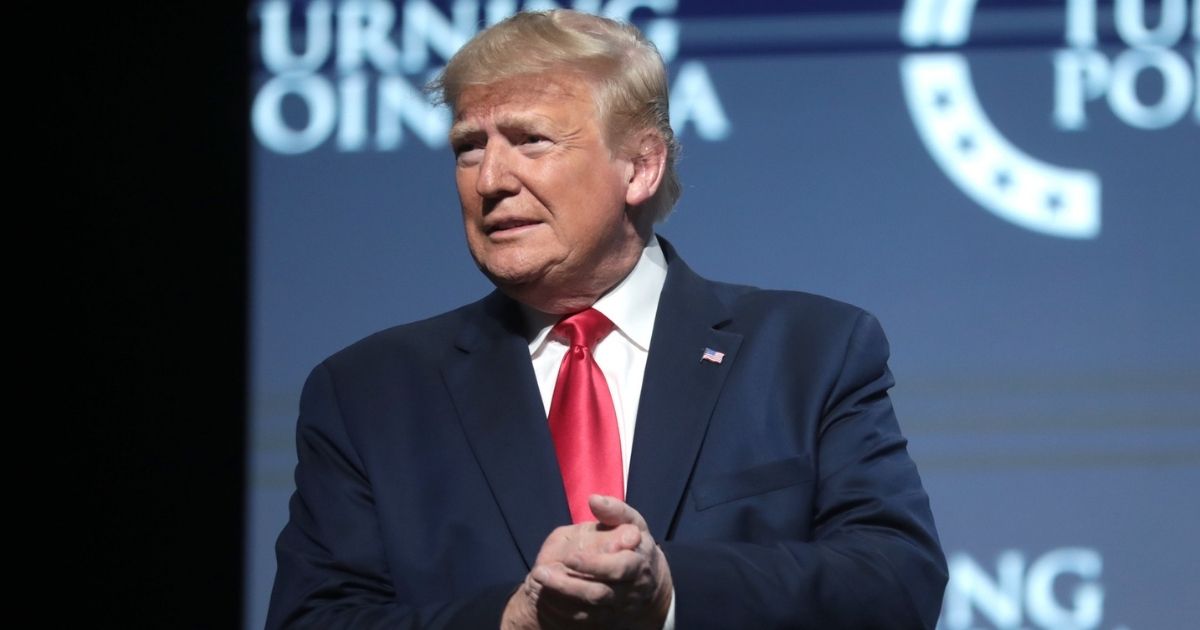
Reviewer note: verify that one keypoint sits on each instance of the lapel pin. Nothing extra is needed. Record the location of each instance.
(712, 356)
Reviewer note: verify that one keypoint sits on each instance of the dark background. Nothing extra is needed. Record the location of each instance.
(145, 193)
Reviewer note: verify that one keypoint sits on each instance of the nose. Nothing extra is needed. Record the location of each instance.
(496, 177)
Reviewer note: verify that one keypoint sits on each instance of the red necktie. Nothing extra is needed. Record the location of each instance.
(583, 421)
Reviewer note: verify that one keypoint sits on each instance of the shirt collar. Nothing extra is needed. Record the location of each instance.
(631, 306)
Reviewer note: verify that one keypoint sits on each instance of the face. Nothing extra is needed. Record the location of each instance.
(543, 198)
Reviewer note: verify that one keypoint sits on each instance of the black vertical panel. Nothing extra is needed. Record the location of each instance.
(145, 168)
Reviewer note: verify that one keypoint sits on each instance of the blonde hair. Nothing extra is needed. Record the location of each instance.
(628, 78)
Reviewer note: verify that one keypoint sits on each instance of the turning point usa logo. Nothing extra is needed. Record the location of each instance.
(1060, 589)
(349, 73)
(1046, 198)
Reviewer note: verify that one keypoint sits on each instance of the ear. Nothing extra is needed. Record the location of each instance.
(648, 161)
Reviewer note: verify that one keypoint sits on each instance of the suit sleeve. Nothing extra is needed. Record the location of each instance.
(332, 571)
(873, 561)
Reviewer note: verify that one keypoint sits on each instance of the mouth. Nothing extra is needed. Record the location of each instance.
(509, 226)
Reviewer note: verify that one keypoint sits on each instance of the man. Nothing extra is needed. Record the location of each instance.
(608, 440)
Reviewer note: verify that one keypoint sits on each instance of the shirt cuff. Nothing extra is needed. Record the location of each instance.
(669, 624)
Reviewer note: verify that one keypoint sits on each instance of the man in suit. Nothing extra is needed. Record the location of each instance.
(607, 440)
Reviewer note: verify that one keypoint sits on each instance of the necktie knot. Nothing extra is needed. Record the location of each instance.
(585, 328)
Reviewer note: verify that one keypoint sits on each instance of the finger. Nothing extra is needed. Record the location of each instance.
(564, 542)
(624, 537)
(557, 581)
(555, 611)
(611, 511)
(620, 538)
(623, 566)
(646, 545)
(531, 588)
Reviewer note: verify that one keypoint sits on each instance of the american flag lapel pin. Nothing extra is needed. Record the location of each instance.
(712, 356)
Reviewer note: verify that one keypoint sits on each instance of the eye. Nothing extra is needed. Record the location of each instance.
(534, 144)
(467, 152)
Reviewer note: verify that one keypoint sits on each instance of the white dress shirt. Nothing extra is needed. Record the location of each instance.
(631, 306)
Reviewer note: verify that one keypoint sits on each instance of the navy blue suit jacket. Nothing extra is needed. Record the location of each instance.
(776, 481)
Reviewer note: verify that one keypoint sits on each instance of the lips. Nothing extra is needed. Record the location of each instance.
(501, 225)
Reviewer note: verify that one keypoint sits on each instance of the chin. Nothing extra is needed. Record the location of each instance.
(512, 276)
(510, 265)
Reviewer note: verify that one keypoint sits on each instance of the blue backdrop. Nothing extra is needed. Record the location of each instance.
(1011, 187)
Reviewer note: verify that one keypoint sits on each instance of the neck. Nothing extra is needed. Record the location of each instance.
(563, 300)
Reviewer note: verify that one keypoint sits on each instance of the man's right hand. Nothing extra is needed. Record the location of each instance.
(627, 582)
(575, 600)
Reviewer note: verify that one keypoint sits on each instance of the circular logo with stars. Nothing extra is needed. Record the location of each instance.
(997, 175)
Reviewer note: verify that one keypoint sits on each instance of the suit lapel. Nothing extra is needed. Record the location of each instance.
(492, 384)
(495, 392)
(679, 392)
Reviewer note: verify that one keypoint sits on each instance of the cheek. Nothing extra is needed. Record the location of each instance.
(465, 181)
(472, 218)
(605, 194)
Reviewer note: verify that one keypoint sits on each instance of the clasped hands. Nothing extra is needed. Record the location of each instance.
(606, 574)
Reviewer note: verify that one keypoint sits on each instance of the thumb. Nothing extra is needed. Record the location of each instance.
(612, 512)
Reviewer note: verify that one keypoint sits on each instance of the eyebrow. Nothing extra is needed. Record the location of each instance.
(458, 133)
(462, 130)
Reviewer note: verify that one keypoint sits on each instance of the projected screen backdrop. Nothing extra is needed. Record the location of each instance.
(1011, 187)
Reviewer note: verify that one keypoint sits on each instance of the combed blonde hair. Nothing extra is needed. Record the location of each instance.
(627, 74)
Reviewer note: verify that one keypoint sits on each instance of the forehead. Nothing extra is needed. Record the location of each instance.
(562, 95)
